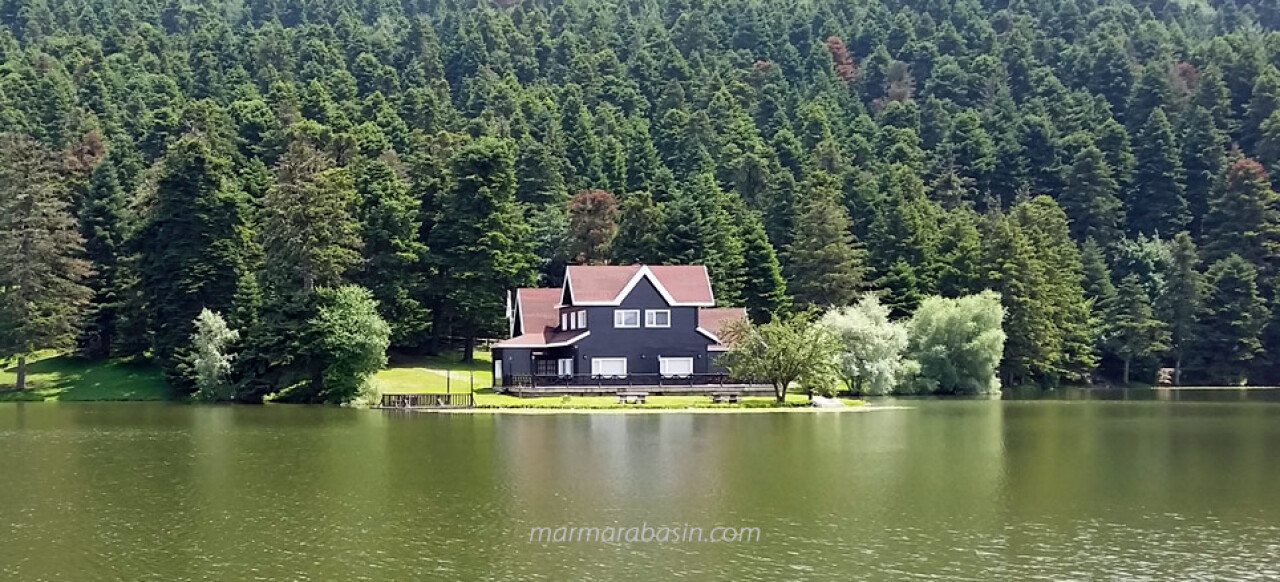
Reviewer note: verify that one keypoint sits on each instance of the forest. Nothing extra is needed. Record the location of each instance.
(335, 177)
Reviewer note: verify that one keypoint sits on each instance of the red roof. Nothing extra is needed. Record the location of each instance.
(605, 284)
(537, 308)
(539, 319)
(716, 319)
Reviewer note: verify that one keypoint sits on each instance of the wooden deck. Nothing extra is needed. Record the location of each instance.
(428, 400)
(651, 389)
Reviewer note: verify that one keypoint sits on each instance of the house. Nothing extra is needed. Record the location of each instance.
(606, 327)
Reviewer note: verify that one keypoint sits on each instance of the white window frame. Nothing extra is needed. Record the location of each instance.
(582, 319)
(595, 367)
(497, 372)
(619, 316)
(564, 321)
(650, 317)
(564, 366)
(662, 367)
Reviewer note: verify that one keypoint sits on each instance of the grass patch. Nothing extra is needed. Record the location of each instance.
(413, 374)
(68, 378)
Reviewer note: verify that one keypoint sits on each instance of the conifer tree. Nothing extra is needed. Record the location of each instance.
(1179, 305)
(193, 248)
(1156, 202)
(481, 240)
(41, 270)
(1231, 323)
(102, 224)
(1244, 219)
(764, 290)
(1134, 330)
(393, 269)
(641, 226)
(824, 263)
(1204, 160)
(1090, 199)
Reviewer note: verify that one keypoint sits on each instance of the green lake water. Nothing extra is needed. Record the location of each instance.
(977, 490)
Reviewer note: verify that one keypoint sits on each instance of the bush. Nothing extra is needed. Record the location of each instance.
(958, 344)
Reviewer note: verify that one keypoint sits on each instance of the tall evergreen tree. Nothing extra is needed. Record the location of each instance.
(1156, 203)
(193, 247)
(102, 224)
(824, 263)
(1231, 323)
(1244, 219)
(481, 240)
(1179, 305)
(1090, 199)
(1134, 330)
(41, 271)
(764, 290)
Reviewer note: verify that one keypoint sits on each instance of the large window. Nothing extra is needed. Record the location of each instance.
(582, 319)
(626, 318)
(614, 367)
(657, 318)
(564, 321)
(676, 366)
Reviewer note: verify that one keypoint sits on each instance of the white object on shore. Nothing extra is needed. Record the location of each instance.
(824, 402)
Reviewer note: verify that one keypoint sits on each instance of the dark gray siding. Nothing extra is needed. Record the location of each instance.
(643, 346)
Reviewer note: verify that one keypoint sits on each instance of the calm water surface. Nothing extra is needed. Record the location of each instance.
(1145, 490)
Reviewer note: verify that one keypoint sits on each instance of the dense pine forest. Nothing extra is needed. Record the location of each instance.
(331, 177)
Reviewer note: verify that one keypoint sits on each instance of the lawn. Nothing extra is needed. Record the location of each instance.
(68, 378)
(410, 374)
(413, 374)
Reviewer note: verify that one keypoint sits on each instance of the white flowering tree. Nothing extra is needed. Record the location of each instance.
(209, 363)
(870, 359)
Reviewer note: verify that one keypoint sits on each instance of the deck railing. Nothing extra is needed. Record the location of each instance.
(429, 400)
(600, 380)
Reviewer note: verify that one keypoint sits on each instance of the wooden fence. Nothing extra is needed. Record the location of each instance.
(429, 400)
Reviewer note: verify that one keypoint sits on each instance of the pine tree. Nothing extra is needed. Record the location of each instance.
(640, 231)
(902, 249)
(823, 263)
(1020, 279)
(481, 240)
(1134, 330)
(592, 226)
(1204, 160)
(1090, 199)
(1244, 219)
(1179, 305)
(308, 234)
(102, 225)
(1098, 290)
(41, 272)
(764, 290)
(1231, 323)
(701, 231)
(1156, 202)
(1264, 100)
(193, 248)
(394, 266)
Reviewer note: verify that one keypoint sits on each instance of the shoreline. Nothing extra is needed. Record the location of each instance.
(727, 410)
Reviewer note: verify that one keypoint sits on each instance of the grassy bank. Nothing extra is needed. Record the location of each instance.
(415, 374)
(68, 378)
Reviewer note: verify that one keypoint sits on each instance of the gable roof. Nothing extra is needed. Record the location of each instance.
(539, 321)
(712, 323)
(680, 285)
(537, 308)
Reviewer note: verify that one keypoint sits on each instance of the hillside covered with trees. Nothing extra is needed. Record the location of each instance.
(1105, 166)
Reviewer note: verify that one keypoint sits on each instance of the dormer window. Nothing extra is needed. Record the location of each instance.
(657, 318)
(564, 321)
(626, 318)
(582, 319)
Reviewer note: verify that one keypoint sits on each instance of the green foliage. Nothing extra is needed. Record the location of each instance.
(871, 358)
(957, 344)
(782, 352)
(824, 261)
(1231, 323)
(41, 272)
(1132, 330)
(208, 364)
(350, 341)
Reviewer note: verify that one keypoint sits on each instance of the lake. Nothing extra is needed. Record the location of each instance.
(978, 490)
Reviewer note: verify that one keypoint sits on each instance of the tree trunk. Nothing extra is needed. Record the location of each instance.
(780, 391)
(1126, 372)
(469, 348)
(1177, 371)
(21, 384)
